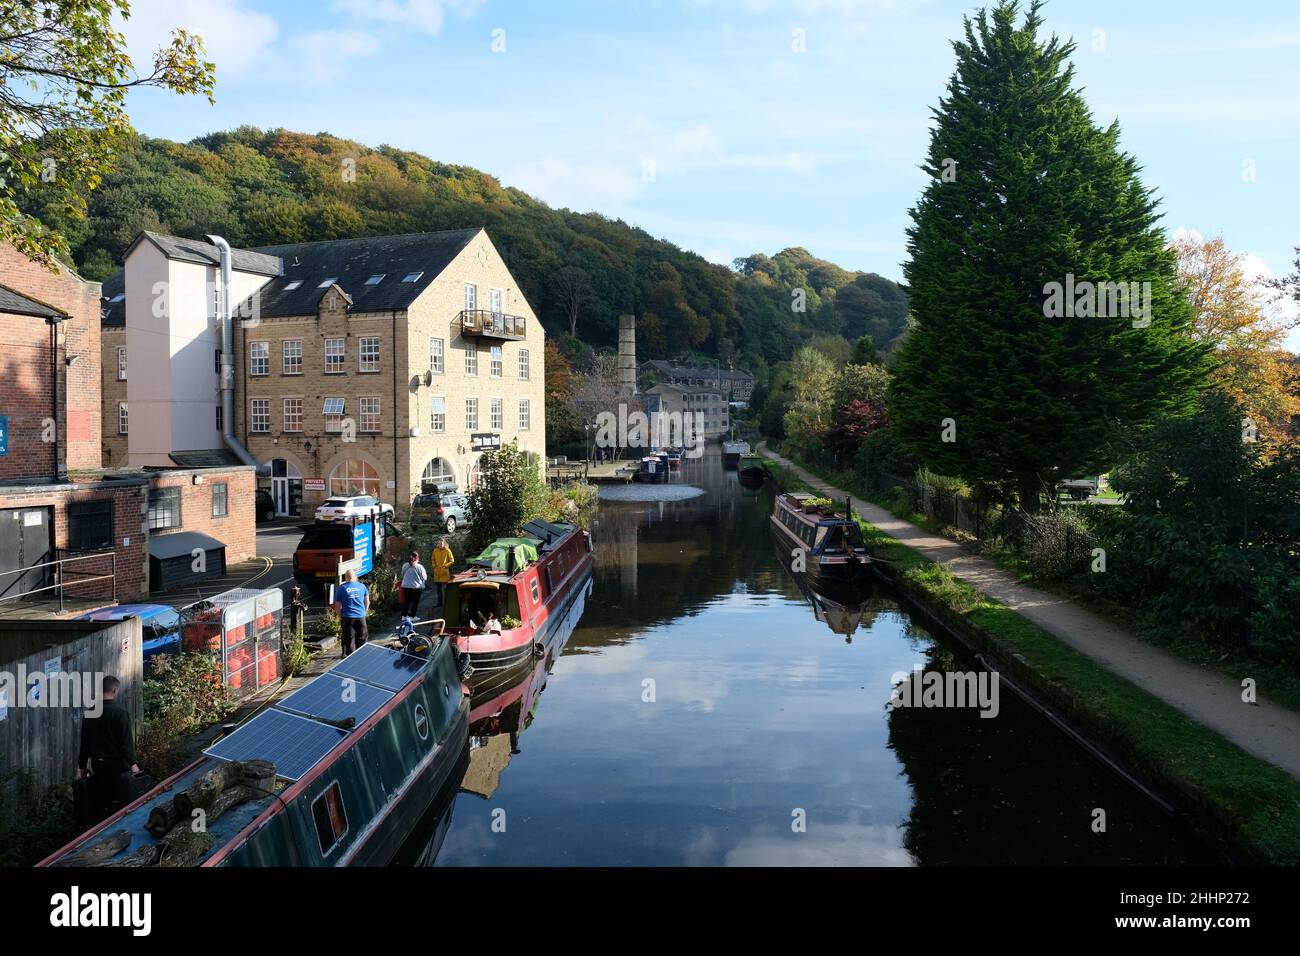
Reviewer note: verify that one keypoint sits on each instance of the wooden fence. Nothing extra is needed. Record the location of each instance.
(42, 736)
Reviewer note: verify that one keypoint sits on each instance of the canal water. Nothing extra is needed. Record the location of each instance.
(708, 710)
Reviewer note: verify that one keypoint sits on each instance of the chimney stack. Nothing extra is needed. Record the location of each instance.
(627, 354)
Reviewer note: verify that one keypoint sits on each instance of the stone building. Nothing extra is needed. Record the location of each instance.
(361, 366)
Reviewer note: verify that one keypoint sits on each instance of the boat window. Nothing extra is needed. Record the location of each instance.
(536, 594)
(331, 818)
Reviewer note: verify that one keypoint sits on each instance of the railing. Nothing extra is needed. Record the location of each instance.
(491, 324)
(77, 576)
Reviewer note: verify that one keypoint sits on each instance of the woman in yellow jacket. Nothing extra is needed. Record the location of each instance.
(443, 559)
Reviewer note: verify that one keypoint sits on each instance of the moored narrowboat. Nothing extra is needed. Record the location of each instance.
(833, 551)
(731, 452)
(531, 586)
(653, 470)
(337, 773)
(751, 467)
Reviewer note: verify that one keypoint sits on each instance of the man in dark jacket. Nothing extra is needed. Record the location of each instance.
(107, 750)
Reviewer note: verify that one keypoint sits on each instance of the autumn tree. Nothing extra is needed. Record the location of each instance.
(1231, 312)
(64, 74)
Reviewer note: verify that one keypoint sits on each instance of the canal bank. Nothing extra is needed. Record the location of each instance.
(1185, 732)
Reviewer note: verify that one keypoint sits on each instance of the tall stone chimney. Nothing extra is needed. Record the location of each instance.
(627, 354)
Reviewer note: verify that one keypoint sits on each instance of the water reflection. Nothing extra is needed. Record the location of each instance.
(699, 715)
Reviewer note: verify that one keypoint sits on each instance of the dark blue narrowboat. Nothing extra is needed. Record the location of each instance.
(359, 754)
(829, 545)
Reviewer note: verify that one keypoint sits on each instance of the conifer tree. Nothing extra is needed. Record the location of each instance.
(1029, 357)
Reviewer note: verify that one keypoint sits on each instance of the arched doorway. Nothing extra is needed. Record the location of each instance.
(286, 487)
(354, 477)
(438, 471)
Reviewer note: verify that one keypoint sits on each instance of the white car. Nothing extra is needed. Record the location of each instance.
(358, 506)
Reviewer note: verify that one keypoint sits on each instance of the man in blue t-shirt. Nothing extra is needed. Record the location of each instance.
(351, 604)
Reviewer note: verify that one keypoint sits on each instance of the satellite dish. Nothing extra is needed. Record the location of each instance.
(428, 377)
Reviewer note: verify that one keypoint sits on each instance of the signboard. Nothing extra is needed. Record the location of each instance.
(4, 434)
(363, 546)
(313, 484)
(485, 441)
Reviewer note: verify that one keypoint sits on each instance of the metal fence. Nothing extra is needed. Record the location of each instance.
(1069, 548)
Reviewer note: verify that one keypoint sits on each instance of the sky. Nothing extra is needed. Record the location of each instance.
(738, 126)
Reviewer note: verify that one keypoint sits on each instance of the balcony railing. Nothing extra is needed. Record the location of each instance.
(491, 325)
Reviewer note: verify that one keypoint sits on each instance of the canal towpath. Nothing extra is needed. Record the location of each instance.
(1265, 729)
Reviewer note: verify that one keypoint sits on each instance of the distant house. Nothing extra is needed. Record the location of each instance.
(676, 400)
(733, 384)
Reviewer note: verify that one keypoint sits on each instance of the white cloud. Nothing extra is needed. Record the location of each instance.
(425, 15)
(327, 53)
(234, 36)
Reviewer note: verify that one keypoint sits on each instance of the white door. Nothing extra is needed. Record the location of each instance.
(496, 301)
(280, 495)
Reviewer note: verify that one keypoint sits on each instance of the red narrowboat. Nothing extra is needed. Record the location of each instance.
(518, 599)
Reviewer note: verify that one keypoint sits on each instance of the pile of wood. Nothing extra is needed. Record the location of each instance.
(181, 824)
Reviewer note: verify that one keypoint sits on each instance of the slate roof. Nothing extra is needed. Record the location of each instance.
(16, 304)
(350, 262)
(205, 253)
(206, 458)
(673, 370)
(113, 314)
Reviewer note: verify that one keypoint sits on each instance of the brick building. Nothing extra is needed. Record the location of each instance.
(49, 367)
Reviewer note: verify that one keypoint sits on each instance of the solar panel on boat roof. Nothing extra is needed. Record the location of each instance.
(294, 744)
(377, 665)
(335, 698)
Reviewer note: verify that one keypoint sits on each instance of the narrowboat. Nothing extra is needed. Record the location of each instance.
(653, 470)
(340, 772)
(535, 586)
(830, 544)
(751, 467)
(731, 452)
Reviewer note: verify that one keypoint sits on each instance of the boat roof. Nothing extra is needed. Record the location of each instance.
(294, 733)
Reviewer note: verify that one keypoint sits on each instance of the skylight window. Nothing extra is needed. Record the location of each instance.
(118, 298)
(413, 277)
(293, 285)
(375, 280)
(327, 283)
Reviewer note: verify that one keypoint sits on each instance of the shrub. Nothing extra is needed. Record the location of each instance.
(33, 825)
(1059, 545)
(327, 625)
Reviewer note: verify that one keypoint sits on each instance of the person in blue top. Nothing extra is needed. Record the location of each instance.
(351, 604)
